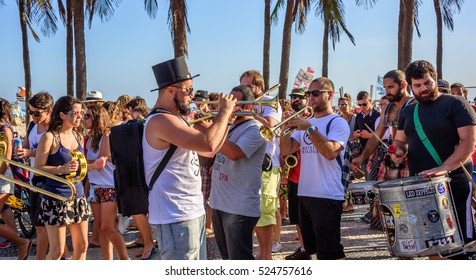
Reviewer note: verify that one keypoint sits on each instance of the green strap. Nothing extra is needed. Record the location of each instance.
(424, 138)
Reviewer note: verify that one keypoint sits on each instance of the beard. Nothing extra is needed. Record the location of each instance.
(432, 95)
(395, 98)
(297, 106)
(183, 109)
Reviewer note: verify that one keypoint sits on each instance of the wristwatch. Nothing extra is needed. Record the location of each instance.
(310, 130)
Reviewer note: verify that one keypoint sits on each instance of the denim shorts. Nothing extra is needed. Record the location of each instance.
(182, 240)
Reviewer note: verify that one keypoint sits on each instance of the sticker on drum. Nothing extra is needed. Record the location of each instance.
(419, 217)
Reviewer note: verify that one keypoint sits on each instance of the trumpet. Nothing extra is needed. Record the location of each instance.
(42, 173)
(268, 133)
(272, 103)
(289, 162)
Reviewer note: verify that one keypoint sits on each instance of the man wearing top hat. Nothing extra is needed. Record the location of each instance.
(176, 209)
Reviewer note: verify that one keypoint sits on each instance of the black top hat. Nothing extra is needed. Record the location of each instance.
(171, 72)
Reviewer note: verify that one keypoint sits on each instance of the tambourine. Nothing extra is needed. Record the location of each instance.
(83, 167)
(14, 202)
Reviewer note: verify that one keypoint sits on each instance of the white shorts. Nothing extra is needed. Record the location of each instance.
(5, 186)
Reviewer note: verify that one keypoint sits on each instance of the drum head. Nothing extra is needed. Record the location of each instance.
(415, 180)
(367, 185)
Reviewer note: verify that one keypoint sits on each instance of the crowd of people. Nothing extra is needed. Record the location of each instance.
(222, 176)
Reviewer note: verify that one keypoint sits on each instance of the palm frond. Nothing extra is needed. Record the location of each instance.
(449, 8)
(62, 11)
(368, 4)
(43, 14)
(301, 9)
(33, 33)
(416, 18)
(151, 7)
(277, 7)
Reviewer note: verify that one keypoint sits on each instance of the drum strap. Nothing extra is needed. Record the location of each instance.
(424, 138)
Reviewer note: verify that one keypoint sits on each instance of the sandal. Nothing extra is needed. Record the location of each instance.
(134, 245)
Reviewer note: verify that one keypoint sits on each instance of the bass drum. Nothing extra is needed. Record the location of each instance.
(361, 192)
(419, 217)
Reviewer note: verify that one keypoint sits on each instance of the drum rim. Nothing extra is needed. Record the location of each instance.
(409, 181)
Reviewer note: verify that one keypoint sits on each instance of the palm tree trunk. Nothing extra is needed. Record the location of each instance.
(266, 42)
(26, 52)
(69, 49)
(80, 49)
(401, 35)
(439, 44)
(286, 49)
(179, 27)
(325, 49)
(405, 53)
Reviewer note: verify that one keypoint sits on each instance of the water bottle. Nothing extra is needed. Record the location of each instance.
(16, 143)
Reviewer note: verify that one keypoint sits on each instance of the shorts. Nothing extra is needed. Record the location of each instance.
(319, 220)
(58, 213)
(103, 194)
(206, 182)
(269, 197)
(5, 186)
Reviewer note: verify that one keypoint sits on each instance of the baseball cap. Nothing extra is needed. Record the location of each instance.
(200, 95)
(443, 86)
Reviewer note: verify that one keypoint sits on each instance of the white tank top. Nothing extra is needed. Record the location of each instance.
(176, 195)
(33, 141)
(104, 177)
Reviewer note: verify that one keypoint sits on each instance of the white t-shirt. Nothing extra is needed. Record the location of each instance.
(33, 141)
(320, 177)
(272, 147)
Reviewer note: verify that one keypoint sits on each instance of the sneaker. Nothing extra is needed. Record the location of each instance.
(123, 223)
(276, 247)
(5, 245)
(299, 254)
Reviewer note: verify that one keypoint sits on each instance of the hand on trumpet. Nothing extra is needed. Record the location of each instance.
(226, 104)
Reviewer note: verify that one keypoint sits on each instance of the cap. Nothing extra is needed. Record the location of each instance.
(201, 95)
(443, 86)
(93, 96)
(298, 91)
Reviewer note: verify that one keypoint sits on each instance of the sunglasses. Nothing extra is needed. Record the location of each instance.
(35, 113)
(297, 96)
(342, 105)
(76, 113)
(362, 105)
(186, 90)
(316, 92)
(86, 116)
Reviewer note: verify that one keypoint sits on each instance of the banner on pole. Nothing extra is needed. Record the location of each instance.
(380, 90)
(304, 79)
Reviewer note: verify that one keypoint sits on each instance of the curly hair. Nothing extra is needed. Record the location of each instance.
(63, 105)
(101, 124)
(113, 111)
(5, 111)
(418, 69)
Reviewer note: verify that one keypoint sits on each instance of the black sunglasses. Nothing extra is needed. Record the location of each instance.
(86, 116)
(316, 92)
(35, 113)
(342, 105)
(362, 105)
(292, 96)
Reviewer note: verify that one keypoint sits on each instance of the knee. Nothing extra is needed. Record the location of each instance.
(55, 252)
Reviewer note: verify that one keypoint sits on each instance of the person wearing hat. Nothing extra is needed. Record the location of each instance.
(443, 86)
(93, 97)
(176, 209)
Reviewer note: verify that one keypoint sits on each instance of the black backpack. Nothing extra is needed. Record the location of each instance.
(129, 178)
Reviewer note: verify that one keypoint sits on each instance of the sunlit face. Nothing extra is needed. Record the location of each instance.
(425, 89)
(183, 94)
(38, 115)
(74, 116)
(365, 104)
(319, 97)
(394, 91)
(344, 106)
(88, 120)
(298, 101)
(458, 91)
(248, 82)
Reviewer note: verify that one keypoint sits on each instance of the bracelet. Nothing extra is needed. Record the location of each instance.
(59, 169)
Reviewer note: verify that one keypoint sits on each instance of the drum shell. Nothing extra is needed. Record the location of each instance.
(361, 192)
(419, 217)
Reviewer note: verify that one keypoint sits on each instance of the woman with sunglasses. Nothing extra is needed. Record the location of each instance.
(53, 156)
(103, 204)
(6, 188)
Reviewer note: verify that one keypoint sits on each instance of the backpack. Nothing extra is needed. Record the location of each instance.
(345, 164)
(132, 191)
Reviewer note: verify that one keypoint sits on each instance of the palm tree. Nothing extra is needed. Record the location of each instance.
(41, 13)
(178, 23)
(407, 18)
(332, 14)
(294, 8)
(444, 11)
(266, 41)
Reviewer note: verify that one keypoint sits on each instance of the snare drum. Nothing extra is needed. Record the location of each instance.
(419, 217)
(361, 192)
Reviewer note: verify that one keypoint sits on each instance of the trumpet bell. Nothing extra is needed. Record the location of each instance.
(267, 133)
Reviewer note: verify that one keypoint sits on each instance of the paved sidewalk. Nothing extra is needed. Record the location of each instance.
(359, 240)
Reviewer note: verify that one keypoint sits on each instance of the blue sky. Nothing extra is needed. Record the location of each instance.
(226, 40)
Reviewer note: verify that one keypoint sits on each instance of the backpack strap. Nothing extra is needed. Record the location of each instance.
(328, 127)
(167, 156)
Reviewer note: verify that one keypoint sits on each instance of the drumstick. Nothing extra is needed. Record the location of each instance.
(468, 175)
(376, 136)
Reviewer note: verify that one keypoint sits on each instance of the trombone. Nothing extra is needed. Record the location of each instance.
(268, 133)
(272, 103)
(42, 173)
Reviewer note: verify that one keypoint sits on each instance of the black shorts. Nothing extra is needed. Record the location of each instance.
(319, 220)
(293, 208)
